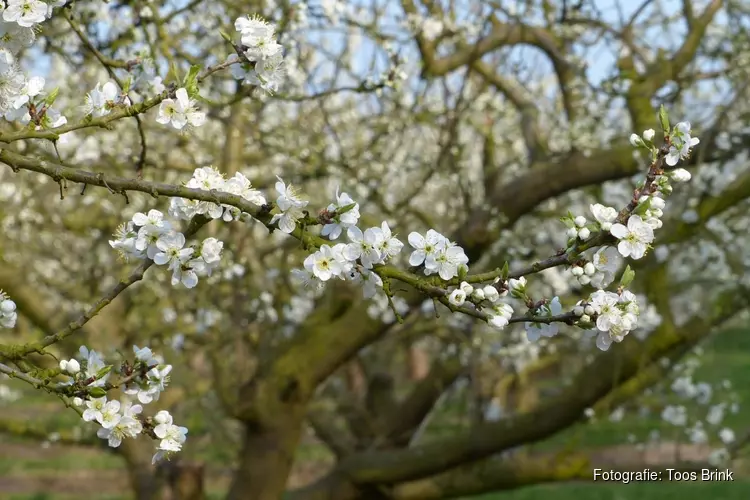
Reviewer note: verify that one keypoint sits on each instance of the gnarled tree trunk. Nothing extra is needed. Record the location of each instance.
(267, 456)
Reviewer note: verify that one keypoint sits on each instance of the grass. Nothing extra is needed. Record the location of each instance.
(737, 490)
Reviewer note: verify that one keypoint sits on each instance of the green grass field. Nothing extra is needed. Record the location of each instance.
(30, 472)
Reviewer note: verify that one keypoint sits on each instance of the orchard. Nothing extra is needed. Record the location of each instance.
(434, 239)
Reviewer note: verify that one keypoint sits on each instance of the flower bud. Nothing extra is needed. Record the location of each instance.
(457, 297)
(163, 417)
(577, 271)
(73, 366)
(491, 293)
(635, 140)
(649, 134)
(680, 175)
(517, 284)
(589, 269)
(584, 233)
(77, 401)
(64, 364)
(584, 280)
(572, 232)
(606, 226)
(658, 203)
(478, 295)
(589, 310)
(466, 288)
(578, 311)
(580, 221)
(7, 306)
(585, 318)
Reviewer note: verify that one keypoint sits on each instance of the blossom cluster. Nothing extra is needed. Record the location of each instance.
(23, 98)
(18, 92)
(614, 314)
(210, 179)
(437, 254)
(8, 314)
(354, 260)
(103, 98)
(145, 379)
(290, 207)
(150, 236)
(263, 63)
(484, 298)
(180, 111)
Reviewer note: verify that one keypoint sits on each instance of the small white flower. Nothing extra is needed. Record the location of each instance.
(94, 409)
(145, 355)
(171, 250)
(457, 297)
(180, 111)
(605, 216)
(99, 102)
(389, 246)
(682, 142)
(500, 316)
(341, 221)
(369, 280)
(211, 250)
(607, 262)
(447, 262)
(25, 12)
(425, 247)
(109, 415)
(323, 264)
(634, 238)
(364, 246)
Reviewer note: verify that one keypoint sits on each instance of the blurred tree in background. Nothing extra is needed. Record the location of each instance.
(485, 120)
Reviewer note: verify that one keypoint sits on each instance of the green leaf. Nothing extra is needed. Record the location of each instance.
(225, 36)
(50, 100)
(627, 277)
(174, 72)
(126, 85)
(664, 119)
(462, 272)
(345, 208)
(101, 373)
(190, 83)
(506, 271)
(97, 392)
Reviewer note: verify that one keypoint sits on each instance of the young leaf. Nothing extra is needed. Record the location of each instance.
(627, 277)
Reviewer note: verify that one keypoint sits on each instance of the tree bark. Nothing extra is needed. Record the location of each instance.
(143, 480)
(266, 459)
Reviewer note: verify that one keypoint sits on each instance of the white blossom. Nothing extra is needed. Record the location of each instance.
(635, 238)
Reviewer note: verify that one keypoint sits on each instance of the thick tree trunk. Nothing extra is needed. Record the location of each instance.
(143, 480)
(266, 459)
